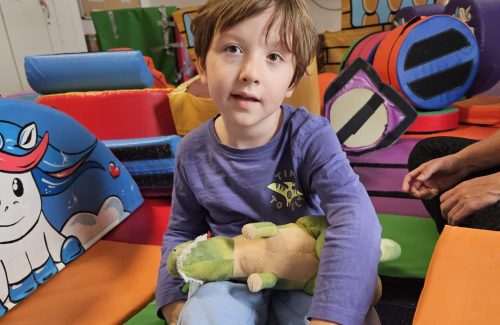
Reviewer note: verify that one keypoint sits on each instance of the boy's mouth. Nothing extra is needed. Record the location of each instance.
(245, 96)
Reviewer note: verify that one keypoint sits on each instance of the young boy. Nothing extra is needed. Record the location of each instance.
(260, 160)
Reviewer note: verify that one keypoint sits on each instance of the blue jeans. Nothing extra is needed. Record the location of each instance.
(224, 302)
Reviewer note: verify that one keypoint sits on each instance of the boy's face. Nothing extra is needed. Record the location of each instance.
(248, 74)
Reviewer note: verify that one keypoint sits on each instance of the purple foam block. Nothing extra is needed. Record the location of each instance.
(406, 14)
(482, 16)
(382, 173)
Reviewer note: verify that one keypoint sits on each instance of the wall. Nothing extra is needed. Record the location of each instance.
(326, 14)
(328, 18)
(9, 80)
(31, 27)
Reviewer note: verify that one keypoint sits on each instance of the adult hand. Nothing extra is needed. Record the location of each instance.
(469, 197)
(172, 311)
(434, 176)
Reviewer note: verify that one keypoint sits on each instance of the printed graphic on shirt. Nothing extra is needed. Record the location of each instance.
(285, 193)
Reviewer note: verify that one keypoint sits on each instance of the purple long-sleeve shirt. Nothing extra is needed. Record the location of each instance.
(301, 171)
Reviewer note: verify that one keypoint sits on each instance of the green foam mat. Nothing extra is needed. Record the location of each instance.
(146, 316)
(417, 237)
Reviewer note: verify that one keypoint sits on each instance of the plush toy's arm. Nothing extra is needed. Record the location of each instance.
(259, 281)
(259, 229)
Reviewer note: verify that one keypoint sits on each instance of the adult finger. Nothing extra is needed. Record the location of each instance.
(430, 168)
(410, 178)
(417, 172)
(447, 195)
(415, 189)
(405, 185)
(458, 213)
(427, 193)
(447, 204)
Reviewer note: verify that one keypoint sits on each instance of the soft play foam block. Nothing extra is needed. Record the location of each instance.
(462, 131)
(324, 80)
(147, 316)
(145, 226)
(107, 285)
(361, 18)
(347, 54)
(417, 238)
(118, 114)
(365, 48)
(61, 190)
(150, 161)
(463, 281)
(435, 121)
(60, 73)
(338, 42)
(366, 113)
(431, 60)
(191, 105)
(405, 14)
(381, 172)
(480, 109)
(482, 17)
(306, 92)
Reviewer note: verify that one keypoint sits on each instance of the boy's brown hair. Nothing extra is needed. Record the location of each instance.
(297, 29)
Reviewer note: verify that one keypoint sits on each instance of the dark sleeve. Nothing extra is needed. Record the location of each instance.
(187, 221)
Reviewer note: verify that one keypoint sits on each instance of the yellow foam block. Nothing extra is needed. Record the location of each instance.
(463, 281)
(107, 285)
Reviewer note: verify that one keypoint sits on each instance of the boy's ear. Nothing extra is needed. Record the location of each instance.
(201, 71)
(289, 92)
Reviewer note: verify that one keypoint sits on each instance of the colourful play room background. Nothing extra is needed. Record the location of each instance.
(96, 95)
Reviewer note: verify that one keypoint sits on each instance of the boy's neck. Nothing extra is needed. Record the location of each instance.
(246, 138)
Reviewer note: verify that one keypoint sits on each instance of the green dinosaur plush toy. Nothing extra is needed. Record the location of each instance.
(284, 257)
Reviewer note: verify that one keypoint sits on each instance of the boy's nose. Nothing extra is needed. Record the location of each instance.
(249, 71)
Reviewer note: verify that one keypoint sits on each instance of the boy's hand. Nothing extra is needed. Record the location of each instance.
(172, 311)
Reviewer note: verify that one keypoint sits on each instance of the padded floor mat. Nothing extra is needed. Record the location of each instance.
(107, 285)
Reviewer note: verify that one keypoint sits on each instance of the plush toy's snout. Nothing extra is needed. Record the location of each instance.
(174, 256)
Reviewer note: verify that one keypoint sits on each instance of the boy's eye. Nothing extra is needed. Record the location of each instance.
(233, 49)
(275, 57)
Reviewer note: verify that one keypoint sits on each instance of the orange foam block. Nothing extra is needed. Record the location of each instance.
(107, 285)
(480, 109)
(463, 280)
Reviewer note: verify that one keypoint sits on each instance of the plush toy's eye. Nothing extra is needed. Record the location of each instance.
(17, 187)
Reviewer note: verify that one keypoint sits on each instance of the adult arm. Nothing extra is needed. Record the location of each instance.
(482, 154)
(445, 175)
(441, 174)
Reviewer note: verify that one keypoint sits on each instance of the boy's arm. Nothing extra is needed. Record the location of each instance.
(187, 221)
(350, 256)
